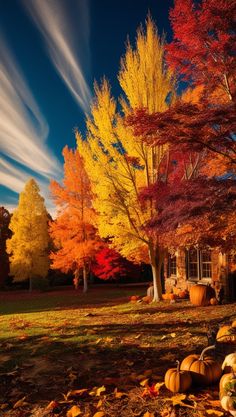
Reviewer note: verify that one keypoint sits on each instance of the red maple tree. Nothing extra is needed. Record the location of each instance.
(203, 46)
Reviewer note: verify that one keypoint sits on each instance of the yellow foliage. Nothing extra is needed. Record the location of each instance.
(28, 247)
(120, 164)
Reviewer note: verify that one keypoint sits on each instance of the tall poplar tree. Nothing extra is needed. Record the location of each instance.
(28, 247)
(120, 164)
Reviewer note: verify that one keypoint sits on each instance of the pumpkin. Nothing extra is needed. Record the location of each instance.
(165, 296)
(229, 363)
(177, 380)
(225, 335)
(134, 298)
(213, 301)
(200, 294)
(172, 296)
(183, 294)
(204, 370)
(147, 299)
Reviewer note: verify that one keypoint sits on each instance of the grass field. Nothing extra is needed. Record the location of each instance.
(54, 343)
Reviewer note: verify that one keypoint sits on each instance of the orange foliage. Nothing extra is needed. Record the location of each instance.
(73, 231)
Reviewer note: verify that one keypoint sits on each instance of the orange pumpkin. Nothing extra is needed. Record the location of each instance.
(134, 298)
(204, 370)
(176, 380)
(200, 294)
(165, 296)
(213, 301)
(172, 296)
(183, 294)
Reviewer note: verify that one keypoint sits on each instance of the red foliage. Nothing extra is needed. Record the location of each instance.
(203, 47)
(110, 265)
(190, 127)
(200, 210)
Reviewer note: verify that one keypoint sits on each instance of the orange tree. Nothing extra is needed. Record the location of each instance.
(73, 230)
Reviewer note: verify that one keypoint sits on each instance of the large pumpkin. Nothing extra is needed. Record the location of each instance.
(226, 334)
(200, 294)
(204, 370)
(177, 380)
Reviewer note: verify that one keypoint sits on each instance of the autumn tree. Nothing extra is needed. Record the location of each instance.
(110, 265)
(119, 163)
(5, 234)
(203, 46)
(28, 247)
(73, 231)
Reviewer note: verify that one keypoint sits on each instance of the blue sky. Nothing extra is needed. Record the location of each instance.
(51, 51)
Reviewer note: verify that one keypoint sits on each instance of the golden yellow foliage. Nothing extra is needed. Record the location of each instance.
(120, 164)
(28, 247)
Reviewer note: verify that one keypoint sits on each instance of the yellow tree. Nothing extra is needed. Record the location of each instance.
(73, 232)
(120, 164)
(28, 247)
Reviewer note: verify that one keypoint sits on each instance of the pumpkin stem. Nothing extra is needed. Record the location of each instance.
(205, 350)
(178, 366)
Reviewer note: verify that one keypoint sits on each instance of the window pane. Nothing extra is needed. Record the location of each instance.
(193, 264)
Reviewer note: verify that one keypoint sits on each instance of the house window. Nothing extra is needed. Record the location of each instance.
(172, 268)
(199, 264)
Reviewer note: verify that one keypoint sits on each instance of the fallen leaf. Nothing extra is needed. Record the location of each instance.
(76, 392)
(214, 413)
(144, 383)
(99, 414)
(20, 403)
(99, 404)
(118, 394)
(74, 411)
(147, 414)
(97, 391)
(3, 406)
(177, 399)
(173, 334)
(100, 390)
(51, 405)
(214, 403)
(138, 336)
(163, 337)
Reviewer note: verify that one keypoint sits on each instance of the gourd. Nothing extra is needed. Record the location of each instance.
(200, 294)
(134, 298)
(213, 301)
(226, 334)
(228, 382)
(177, 380)
(228, 393)
(229, 363)
(204, 370)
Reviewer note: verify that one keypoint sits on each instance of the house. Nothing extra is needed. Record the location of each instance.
(187, 267)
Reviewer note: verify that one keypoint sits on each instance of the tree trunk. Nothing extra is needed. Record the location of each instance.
(156, 272)
(85, 280)
(30, 284)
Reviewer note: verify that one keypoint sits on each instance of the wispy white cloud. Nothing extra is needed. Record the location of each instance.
(53, 20)
(23, 131)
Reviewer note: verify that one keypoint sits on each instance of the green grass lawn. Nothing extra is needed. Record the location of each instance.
(59, 341)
